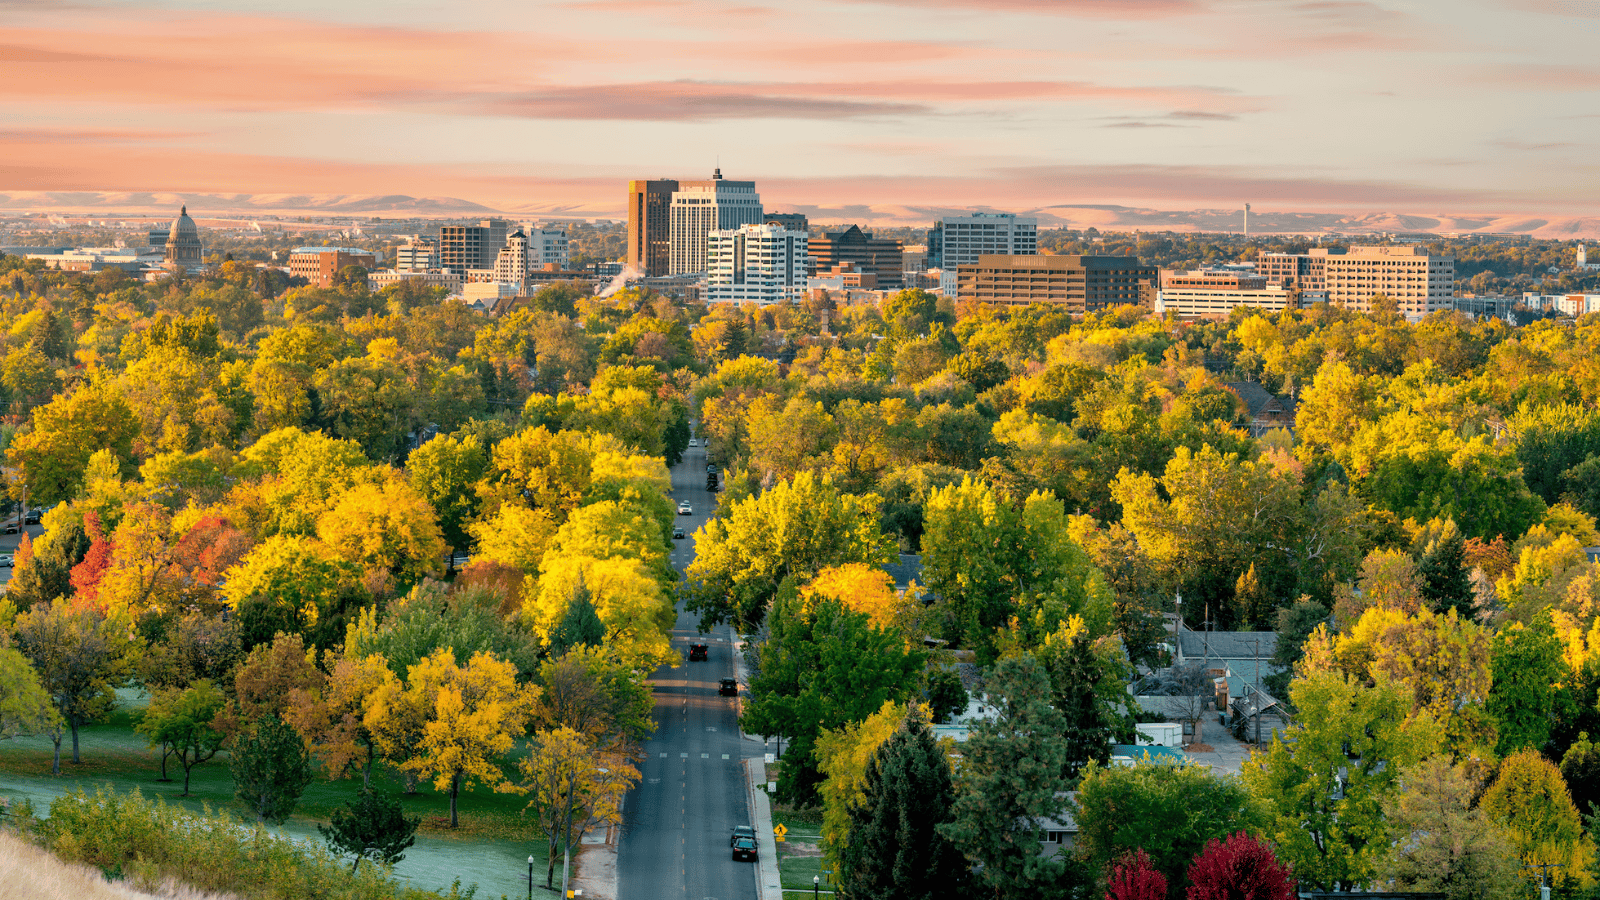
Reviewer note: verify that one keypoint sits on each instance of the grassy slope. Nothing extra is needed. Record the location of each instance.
(490, 848)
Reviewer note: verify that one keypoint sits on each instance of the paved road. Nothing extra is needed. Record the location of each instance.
(676, 822)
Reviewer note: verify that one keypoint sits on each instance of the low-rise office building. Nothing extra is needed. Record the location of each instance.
(880, 256)
(319, 265)
(1082, 283)
(1214, 293)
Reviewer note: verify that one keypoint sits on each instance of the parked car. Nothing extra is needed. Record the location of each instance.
(677, 534)
(727, 687)
(13, 527)
(33, 516)
(744, 849)
(684, 509)
(697, 652)
(5, 561)
(741, 831)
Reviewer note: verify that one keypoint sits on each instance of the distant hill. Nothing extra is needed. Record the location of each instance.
(146, 203)
(1063, 215)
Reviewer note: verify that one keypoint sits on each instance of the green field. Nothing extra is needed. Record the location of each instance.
(491, 847)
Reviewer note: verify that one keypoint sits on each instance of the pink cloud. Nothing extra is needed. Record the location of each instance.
(1087, 9)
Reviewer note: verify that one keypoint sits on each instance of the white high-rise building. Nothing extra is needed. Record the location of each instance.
(512, 263)
(755, 264)
(547, 245)
(960, 240)
(700, 207)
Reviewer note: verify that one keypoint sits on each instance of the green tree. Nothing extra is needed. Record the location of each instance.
(283, 583)
(820, 667)
(271, 769)
(580, 627)
(372, 826)
(895, 849)
(66, 431)
(445, 471)
(795, 528)
(1325, 782)
(80, 657)
(1011, 783)
(1442, 573)
(1441, 840)
(25, 706)
(1526, 668)
(185, 721)
(1168, 811)
(1085, 685)
(43, 570)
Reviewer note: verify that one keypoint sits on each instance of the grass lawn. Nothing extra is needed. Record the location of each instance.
(490, 848)
(800, 854)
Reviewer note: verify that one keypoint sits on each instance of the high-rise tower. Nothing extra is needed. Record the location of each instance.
(700, 207)
(650, 225)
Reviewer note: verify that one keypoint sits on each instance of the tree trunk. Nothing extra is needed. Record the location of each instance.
(354, 864)
(366, 776)
(166, 751)
(75, 759)
(55, 764)
(455, 789)
(187, 768)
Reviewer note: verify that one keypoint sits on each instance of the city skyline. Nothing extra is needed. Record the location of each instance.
(851, 110)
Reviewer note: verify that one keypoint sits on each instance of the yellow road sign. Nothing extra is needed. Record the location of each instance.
(779, 831)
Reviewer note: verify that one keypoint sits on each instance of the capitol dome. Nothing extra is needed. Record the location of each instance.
(183, 243)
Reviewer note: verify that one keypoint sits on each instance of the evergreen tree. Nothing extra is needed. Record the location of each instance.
(372, 826)
(894, 850)
(271, 769)
(1011, 783)
(1442, 571)
(580, 626)
(1077, 680)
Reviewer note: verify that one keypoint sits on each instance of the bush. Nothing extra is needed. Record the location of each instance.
(150, 841)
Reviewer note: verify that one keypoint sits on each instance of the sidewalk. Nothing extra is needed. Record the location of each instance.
(768, 884)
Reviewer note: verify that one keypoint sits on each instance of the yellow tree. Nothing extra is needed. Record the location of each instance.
(1530, 798)
(866, 589)
(387, 528)
(637, 614)
(471, 716)
(514, 536)
(572, 786)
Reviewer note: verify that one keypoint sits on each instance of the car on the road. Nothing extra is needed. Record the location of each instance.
(684, 509)
(711, 468)
(741, 831)
(13, 527)
(744, 849)
(33, 516)
(728, 687)
(5, 561)
(693, 442)
(677, 534)
(697, 652)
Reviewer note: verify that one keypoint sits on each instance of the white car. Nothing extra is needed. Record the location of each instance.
(684, 509)
(5, 561)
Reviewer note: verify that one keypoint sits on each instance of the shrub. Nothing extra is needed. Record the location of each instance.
(127, 833)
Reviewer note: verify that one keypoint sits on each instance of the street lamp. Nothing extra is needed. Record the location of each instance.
(530, 878)
(816, 886)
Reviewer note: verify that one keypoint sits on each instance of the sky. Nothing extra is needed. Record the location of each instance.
(869, 108)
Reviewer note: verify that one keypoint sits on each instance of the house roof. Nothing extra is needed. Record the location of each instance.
(1259, 400)
(906, 569)
(1227, 645)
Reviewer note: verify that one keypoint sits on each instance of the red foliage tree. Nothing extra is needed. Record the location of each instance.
(86, 575)
(1239, 868)
(1134, 878)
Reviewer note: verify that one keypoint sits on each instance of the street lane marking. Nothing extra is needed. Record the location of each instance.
(724, 756)
(705, 756)
(663, 756)
(683, 756)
